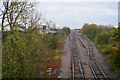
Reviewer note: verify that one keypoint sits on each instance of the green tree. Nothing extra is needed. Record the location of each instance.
(102, 38)
(66, 30)
(116, 49)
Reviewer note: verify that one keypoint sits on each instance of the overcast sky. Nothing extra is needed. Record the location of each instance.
(75, 14)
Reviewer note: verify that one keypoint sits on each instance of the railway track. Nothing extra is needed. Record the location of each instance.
(77, 70)
(95, 67)
(97, 71)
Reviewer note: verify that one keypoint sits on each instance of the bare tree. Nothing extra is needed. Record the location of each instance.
(34, 21)
(5, 4)
(15, 13)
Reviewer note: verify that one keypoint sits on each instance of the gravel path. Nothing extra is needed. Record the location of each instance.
(65, 71)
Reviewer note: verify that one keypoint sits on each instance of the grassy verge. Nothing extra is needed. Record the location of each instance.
(55, 61)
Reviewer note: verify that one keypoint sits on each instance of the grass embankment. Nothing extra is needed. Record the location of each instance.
(29, 55)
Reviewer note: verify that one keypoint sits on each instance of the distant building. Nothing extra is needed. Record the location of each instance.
(44, 29)
(20, 28)
(79, 30)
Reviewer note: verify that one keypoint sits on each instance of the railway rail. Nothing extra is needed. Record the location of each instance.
(95, 67)
(77, 70)
(93, 63)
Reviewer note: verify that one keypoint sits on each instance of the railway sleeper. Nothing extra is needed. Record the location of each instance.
(76, 63)
(78, 76)
(76, 70)
(100, 76)
(76, 67)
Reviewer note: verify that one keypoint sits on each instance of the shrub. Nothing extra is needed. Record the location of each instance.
(102, 38)
(24, 54)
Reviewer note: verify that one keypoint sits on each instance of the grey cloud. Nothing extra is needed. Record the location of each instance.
(75, 15)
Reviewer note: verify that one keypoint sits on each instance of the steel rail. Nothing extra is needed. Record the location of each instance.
(91, 68)
(75, 54)
(99, 67)
(73, 75)
(81, 69)
(95, 61)
(80, 65)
